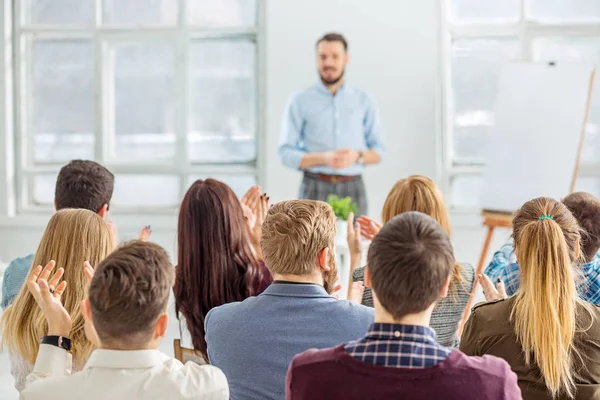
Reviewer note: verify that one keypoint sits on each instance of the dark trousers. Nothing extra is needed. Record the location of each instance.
(313, 188)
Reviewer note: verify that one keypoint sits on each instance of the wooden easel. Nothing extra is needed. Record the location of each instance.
(494, 220)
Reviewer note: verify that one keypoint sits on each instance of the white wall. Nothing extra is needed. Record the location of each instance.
(395, 52)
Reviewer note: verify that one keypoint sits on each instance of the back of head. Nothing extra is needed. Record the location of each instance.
(586, 210)
(215, 264)
(293, 234)
(129, 292)
(83, 184)
(409, 261)
(546, 239)
(72, 237)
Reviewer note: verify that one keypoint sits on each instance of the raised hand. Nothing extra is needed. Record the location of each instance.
(353, 237)
(355, 294)
(256, 231)
(47, 291)
(368, 227)
(145, 233)
(490, 292)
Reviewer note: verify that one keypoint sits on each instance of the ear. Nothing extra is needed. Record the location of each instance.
(324, 259)
(446, 287)
(86, 310)
(103, 211)
(161, 326)
(347, 58)
(367, 281)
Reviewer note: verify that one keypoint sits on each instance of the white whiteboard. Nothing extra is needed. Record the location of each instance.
(532, 147)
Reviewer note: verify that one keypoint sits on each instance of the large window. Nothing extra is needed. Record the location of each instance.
(482, 35)
(162, 92)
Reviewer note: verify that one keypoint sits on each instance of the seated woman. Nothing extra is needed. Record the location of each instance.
(72, 237)
(218, 255)
(419, 193)
(548, 335)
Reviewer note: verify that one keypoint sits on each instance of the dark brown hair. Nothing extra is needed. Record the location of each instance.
(83, 184)
(410, 260)
(586, 210)
(334, 37)
(215, 264)
(129, 291)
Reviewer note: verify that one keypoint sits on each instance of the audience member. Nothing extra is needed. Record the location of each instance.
(548, 335)
(215, 260)
(126, 318)
(410, 263)
(72, 238)
(254, 341)
(80, 184)
(586, 210)
(419, 193)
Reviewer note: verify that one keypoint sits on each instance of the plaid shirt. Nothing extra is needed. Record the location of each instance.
(504, 265)
(400, 346)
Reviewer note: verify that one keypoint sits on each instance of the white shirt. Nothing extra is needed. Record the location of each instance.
(127, 375)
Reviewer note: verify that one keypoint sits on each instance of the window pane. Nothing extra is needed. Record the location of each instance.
(62, 100)
(484, 11)
(476, 65)
(140, 12)
(60, 12)
(564, 10)
(146, 190)
(466, 191)
(238, 183)
(586, 50)
(144, 104)
(43, 189)
(222, 88)
(221, 13)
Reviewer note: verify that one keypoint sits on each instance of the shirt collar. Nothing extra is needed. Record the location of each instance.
(125, 359)
(406, 333)
(320, 86)
(294, 290)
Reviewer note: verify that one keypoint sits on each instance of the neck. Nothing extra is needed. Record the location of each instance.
(311, 278)
(335, 87)
(382, 316)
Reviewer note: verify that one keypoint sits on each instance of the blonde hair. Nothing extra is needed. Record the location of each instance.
(293, 234)
(72, 237)
(546, 239)
(419, 193)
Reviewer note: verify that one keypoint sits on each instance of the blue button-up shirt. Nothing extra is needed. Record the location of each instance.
(504, 266)
(399, 346)
(317, 121)
(14, 278)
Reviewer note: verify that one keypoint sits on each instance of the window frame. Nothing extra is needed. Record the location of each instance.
(525, 32)
(103, 37)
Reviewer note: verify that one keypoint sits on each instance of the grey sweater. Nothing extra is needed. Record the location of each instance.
(447, 314)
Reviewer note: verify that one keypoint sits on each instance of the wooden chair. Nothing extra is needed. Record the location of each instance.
(183, 354)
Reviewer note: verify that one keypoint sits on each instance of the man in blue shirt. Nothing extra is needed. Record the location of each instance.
(331, 130)
(586, 210)
(80, 184)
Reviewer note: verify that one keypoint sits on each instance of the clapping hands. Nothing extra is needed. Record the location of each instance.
(255, 206)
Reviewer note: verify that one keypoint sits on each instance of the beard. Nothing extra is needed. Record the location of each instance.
(333, 81)
(330, 277)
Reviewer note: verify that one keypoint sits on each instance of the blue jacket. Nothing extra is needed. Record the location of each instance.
(254, 341)
(14, 278)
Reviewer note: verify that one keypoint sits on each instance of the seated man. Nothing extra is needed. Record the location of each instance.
(254, 341)
(586, 210)
(410, 263)
(80, 184)
(126, 318)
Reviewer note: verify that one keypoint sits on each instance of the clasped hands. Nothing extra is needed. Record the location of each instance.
(342, 158)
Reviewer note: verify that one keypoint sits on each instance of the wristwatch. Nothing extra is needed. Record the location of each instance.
(58, 341)
(361, 160)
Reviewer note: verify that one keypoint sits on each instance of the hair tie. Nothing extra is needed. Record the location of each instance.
(543, 217)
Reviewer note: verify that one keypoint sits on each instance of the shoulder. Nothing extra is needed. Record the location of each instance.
(41, 388)
(588, 316)
(487, 365)
(313, 357)
(19, 265)
(204, 379)
(224, 312)
(363, 95)
(303, 94)
(491, 307)
(357, 309)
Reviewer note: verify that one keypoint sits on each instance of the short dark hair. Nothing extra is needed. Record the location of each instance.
(409, 261)
(83, 184)
(586, 210)
(334, 37)
(129, 291)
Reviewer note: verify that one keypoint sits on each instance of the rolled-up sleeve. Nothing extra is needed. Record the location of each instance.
(372, 126)
(290, 143)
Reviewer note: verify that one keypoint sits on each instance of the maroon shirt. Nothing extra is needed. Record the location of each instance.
(265, 281)
(334, 374)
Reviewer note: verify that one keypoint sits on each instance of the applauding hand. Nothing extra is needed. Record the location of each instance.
(47, 292)
(368, 227)
(490, 292)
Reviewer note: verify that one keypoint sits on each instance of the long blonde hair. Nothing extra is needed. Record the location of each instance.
(72, 237)
(546, 239)
(419, 193)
